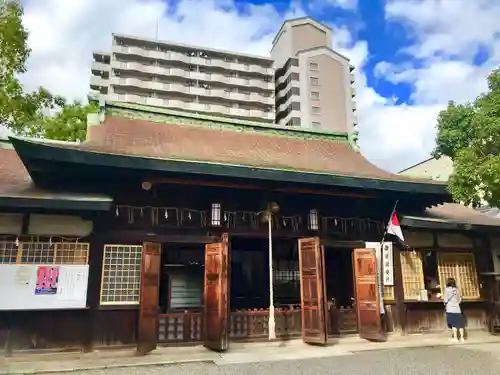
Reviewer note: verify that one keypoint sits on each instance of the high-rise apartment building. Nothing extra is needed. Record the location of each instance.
(304, 83)
(313, 82)
(184, 77)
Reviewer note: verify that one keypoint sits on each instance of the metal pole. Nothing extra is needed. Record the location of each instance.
(272, 323)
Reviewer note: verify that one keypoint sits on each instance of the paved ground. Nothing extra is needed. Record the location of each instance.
(451, 360)
(409, 355)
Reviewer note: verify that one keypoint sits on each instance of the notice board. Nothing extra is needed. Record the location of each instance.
(43, 286)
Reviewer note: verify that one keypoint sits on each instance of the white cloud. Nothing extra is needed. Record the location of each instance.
(64, 34)
(344, 4)
(440, 65)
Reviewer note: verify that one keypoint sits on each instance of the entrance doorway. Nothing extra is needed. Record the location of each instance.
(184, 295)
(340, 291)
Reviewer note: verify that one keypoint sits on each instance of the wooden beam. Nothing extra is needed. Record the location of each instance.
(158, 181)
(399, 293)
(139, 236)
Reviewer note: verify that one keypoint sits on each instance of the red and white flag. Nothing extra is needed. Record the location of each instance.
(393, 227)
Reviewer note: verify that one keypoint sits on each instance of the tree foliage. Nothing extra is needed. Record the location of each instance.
(37, 113)
(470, 135)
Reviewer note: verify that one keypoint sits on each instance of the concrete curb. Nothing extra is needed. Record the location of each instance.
(104, 367)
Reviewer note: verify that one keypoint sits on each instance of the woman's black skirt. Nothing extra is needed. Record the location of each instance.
(455, 320)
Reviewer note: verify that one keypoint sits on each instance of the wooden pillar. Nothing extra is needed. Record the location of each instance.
(399, 295)
(93, 291)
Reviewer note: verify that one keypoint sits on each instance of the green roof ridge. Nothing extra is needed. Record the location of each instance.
(156, 114)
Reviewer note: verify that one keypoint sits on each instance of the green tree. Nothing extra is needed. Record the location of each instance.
(37, 113)
(470, 135)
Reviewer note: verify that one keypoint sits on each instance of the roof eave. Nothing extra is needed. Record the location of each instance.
(29, 151)
(56, 203)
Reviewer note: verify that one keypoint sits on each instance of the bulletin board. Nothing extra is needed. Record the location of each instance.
(43, 287)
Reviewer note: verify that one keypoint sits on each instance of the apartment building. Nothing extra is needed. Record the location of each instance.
(185, 77)
(314, 83)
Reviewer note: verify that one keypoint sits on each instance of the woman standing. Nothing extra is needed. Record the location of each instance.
(454, 317)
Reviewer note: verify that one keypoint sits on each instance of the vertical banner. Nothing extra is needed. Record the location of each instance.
(47, 280)
(378, 252)
(387, 264)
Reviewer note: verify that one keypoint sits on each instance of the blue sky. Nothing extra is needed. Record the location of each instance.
(411, 56)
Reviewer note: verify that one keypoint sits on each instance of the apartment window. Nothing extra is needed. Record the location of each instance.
(121, 275)
(314, 81)
(192, 68)
(316, 124)
(313, 66)
(315, 95)
(316, 110)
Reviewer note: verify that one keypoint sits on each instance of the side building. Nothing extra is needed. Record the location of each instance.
(185, 77)
(313, 82)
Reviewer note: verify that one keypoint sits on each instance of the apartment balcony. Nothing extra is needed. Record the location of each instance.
(96, 82)
(283, 78)
(193, 60)
(200, 76)
(285, 105)
(290, 115)
(353, 92)
(99, 67)
(142, 68)
(227, 110)
(287, 88)
(352, 77)
(354, 106)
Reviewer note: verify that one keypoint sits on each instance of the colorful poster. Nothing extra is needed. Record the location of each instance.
(47, 280)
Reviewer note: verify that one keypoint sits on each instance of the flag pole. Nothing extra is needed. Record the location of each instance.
(379, 261)
(387, 225)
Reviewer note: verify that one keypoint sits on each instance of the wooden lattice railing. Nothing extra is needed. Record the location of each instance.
(248, 325)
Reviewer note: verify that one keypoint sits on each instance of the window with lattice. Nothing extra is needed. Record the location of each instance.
(8, 252)
(121, 275)
(461, 267)
(44, 252)
(413, 274)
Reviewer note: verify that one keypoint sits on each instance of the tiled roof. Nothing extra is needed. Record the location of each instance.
(16, 183)
(458, 214)
(142, 138)
(14, 177)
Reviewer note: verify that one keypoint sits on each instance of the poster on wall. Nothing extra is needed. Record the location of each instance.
(43, 287)
(47, 279)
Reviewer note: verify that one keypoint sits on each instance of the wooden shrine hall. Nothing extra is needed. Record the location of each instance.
(168, 228)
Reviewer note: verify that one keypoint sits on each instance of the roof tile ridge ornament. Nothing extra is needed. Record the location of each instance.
(176, 117)
(96, 118)
(353, 138)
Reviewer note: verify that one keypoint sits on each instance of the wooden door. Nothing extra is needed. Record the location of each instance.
(148, 302)
(216, 296)
(367, 294)
(313, 291)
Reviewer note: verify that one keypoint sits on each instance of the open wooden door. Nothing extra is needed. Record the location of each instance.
(367, 294)
(313, 291)
(216, 296)
(148, 302)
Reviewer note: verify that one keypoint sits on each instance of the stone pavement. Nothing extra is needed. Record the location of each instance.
(238, 353)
